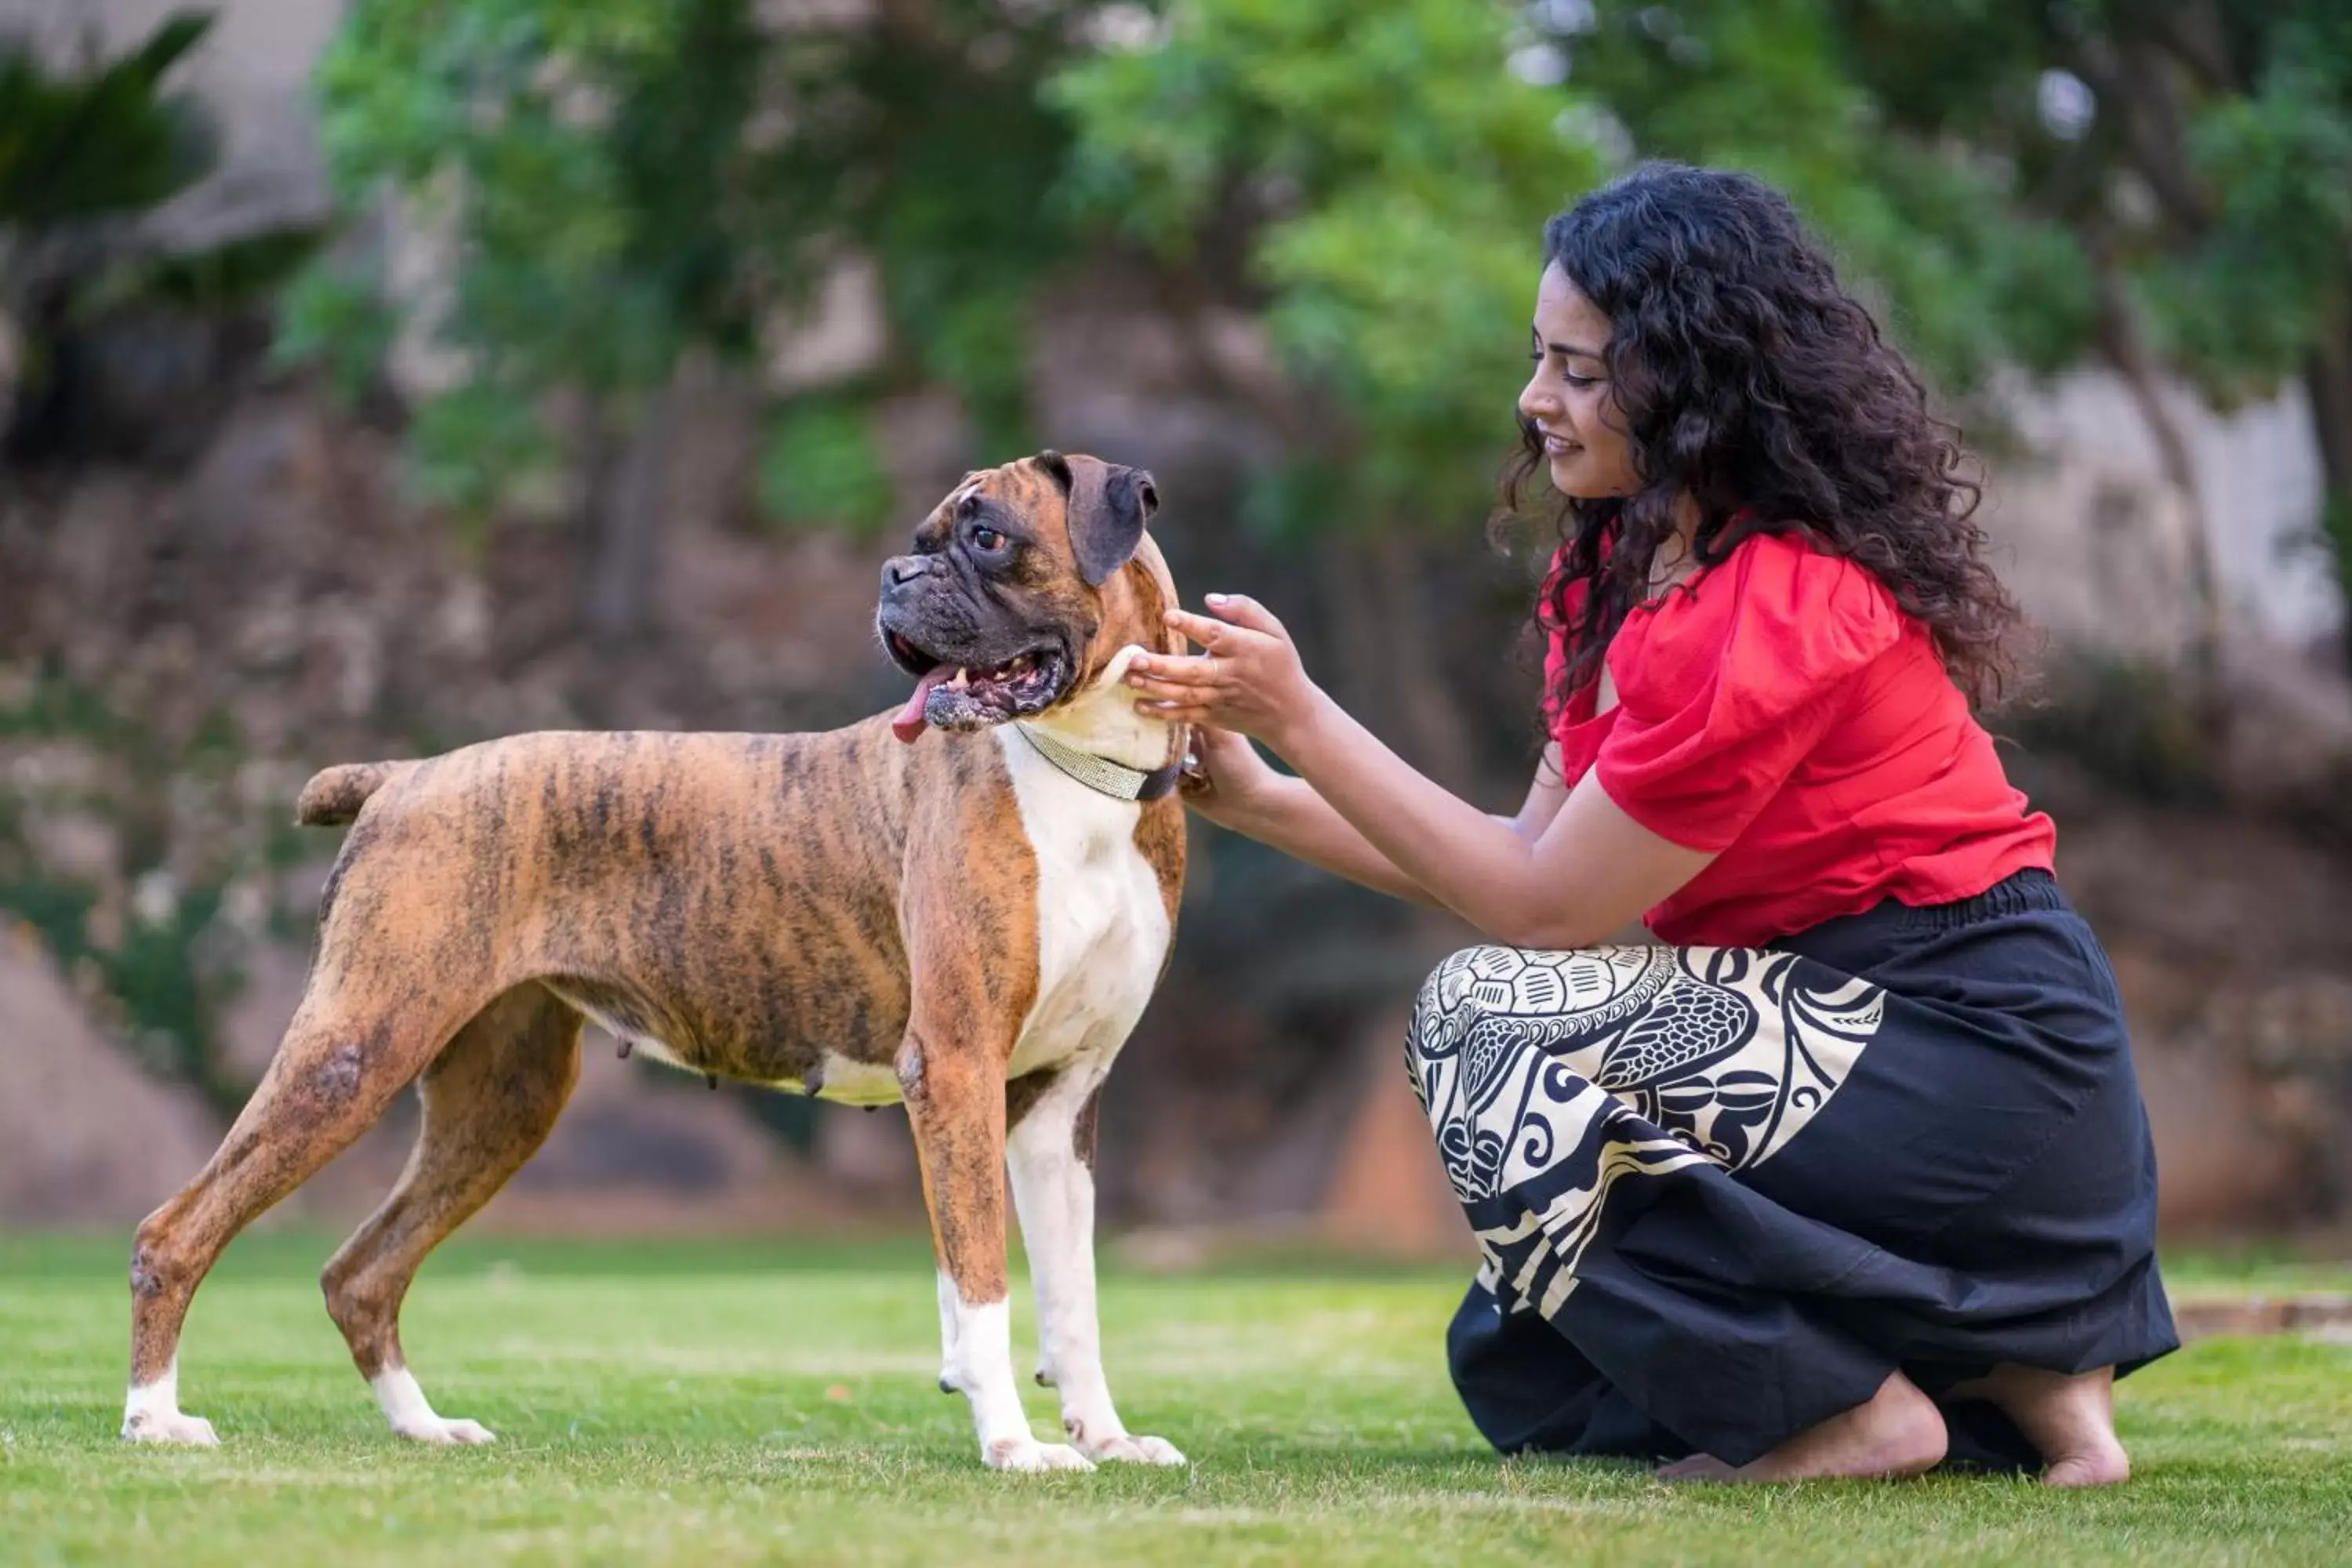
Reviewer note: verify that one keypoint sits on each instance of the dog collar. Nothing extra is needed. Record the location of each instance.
(1115, 780)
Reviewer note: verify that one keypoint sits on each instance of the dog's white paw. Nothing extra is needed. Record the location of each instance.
(446, 1433)
(1028, 1454)
(411, 1414)
(1127, 1449)
(169, 1426)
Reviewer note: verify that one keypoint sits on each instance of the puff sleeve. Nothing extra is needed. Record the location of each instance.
(1724, 685)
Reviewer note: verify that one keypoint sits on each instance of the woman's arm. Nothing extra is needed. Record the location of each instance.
(1585, 874)
(1246, 796)
(1293, 818)
(1291, 815)
(1588, 872)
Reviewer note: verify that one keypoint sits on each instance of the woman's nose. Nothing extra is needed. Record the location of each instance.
(1537, 402)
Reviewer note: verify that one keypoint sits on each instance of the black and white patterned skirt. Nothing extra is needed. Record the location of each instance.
(1722, 1193)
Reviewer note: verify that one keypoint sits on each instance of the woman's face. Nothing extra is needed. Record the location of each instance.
(1568, 396)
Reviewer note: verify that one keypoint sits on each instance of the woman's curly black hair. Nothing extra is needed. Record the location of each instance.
(1749, 379)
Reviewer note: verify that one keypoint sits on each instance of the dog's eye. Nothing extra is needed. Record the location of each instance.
(987, 540)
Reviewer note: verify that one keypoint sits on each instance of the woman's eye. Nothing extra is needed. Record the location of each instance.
(987, 539)
(1578, 380)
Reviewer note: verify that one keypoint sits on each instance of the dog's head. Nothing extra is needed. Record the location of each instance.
(1023, 585)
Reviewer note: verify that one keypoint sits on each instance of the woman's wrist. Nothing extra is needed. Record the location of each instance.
(1300, 737)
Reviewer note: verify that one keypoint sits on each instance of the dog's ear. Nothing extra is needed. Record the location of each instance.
(1057, 468)
(1109, 504)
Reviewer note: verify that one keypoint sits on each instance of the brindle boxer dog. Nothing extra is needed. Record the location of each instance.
(972, 923)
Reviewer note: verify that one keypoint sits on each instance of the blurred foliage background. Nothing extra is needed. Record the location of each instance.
(2160, 186)
(581, 272)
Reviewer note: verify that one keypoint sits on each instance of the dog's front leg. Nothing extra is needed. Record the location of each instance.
(955, 1103)
(1051, 1151)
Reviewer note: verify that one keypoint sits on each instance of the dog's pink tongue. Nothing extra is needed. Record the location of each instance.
(908, 725)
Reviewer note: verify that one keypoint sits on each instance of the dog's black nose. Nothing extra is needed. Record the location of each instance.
(902, 569)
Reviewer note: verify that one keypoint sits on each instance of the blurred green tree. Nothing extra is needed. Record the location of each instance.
(587, 168)
(1387, 176)
(2162, 185)
(621, 184)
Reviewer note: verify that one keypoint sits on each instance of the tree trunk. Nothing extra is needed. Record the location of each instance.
(11, 369)
(627, 504)
(2327, 383)
(2119, 341)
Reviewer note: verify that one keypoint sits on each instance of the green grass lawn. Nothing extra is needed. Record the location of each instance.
(710, 1402)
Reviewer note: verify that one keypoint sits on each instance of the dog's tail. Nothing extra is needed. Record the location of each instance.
(334, 796)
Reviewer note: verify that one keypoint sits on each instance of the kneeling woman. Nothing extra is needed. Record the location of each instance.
(1850, 1174)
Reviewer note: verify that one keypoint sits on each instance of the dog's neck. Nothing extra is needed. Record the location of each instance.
(1101, 721)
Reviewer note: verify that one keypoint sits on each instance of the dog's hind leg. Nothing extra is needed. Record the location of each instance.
(1050, 1149)
(338, 1068)
(489, 1101)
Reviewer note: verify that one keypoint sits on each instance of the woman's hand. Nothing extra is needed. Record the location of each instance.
(1229, 783)
(1248, 677)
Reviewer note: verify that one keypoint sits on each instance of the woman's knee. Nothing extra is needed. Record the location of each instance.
(1446, 1008)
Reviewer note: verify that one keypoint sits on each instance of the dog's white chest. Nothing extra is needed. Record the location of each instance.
(1102, 921)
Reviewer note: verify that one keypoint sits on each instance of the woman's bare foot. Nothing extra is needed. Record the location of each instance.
(1897, 1432)
(2070, 1419)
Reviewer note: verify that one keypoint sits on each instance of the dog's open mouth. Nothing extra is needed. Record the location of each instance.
(960, 697)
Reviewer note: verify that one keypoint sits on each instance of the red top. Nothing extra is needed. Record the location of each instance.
(1780, 711)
